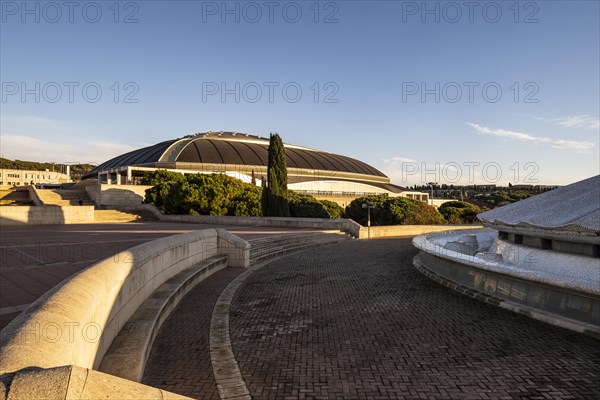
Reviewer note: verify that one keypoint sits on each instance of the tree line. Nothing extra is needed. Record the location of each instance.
(220, 194)
(76, 170)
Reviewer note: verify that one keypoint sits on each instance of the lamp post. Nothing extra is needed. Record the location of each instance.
(432, 184)
(368, 206)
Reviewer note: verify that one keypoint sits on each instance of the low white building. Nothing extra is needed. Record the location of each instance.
(21, 177)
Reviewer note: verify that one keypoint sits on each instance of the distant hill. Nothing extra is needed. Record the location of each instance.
(77, 170)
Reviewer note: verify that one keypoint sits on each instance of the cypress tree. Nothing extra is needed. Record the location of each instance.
(263, 199)
(275, 201)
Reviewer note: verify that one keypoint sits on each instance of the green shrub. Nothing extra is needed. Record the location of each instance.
(393, 211)
(304, 206)
(219, 194)
(307, 207)
(160, 176)
(333, 209)
(202, 194)
(459, 212)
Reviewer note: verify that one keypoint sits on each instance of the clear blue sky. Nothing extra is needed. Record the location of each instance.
(373, 57)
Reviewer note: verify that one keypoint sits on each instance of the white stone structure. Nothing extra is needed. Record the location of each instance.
(540, 256)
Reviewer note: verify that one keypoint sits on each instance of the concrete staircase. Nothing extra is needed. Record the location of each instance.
(56, 197)
(264, 248)
(127, 355)
(114, 216)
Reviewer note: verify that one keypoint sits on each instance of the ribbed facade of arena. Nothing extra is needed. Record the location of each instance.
(310, 171)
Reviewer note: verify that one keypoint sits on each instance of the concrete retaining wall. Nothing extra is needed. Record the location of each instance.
(409, 230)
(76, 321)
(117, 195)
(34, 196)
(40, 215)
(344, 225)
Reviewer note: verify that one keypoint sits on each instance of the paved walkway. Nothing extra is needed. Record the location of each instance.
(34, 258)
(357, 321)
(180, 357)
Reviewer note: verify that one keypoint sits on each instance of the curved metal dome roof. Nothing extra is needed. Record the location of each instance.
(237, 149)
(146, 155)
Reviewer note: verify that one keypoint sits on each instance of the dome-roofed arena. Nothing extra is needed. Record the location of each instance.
(321, 174)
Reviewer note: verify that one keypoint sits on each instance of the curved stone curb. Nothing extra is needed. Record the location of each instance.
(226, 370)
(225, 367)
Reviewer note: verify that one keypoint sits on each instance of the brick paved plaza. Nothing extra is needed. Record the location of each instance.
(34, 258)
(357, 321)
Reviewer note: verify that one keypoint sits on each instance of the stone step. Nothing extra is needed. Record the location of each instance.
(127, 355)
(268, 247)
(114, 216)
(296, 240)
(291, 237)
(122, 216)
(257, 258)
(279, 250)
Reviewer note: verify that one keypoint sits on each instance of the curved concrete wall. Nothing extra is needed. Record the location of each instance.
(73, 382)
(76, 321)
(46, 215)
(409, 230)
(559, 300)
